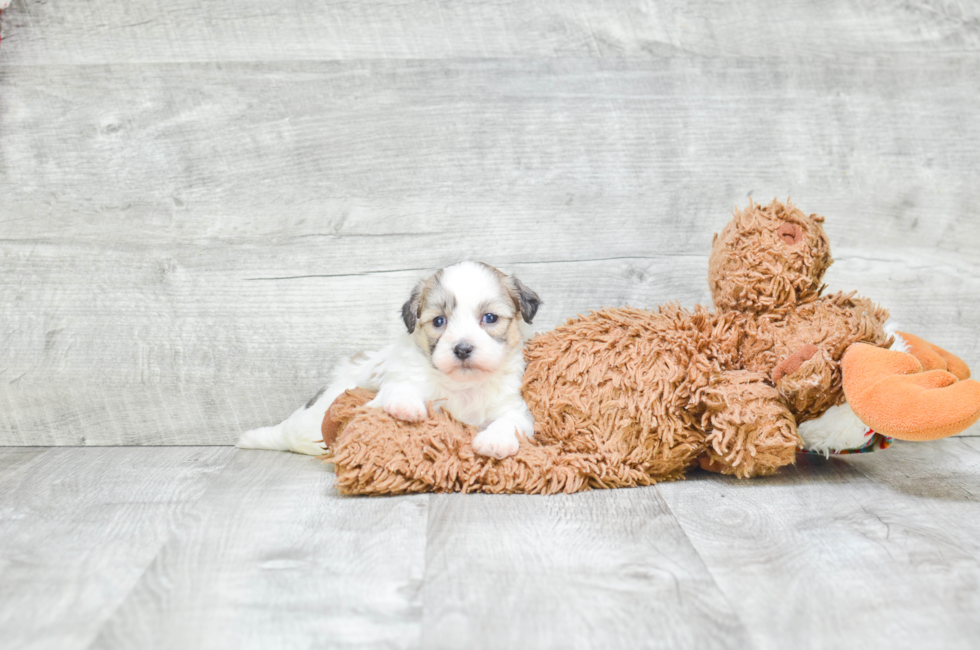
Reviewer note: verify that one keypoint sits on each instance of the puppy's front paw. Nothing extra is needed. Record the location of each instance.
(496, 442)
(406, 409)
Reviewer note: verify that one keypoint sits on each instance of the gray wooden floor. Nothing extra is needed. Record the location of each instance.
(204, 204)
(213, 547)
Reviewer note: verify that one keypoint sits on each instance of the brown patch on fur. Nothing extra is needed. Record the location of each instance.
(526, 301)
(499, 331)
(514, 335)
(505, 312)
(435, 297)
(426, 340)
(434, 300)
(313, 399)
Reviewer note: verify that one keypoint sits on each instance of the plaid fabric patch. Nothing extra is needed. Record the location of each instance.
(877, 442)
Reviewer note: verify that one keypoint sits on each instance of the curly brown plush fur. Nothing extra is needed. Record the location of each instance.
(626, 397)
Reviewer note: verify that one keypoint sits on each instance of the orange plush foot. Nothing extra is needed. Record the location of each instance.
(894, 395)
(933, 357)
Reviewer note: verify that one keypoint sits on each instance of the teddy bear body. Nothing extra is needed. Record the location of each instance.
(659, 390)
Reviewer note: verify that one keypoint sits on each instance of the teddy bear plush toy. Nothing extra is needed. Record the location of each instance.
(626, 397)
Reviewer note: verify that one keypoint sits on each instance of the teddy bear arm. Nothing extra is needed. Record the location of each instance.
(749, 431)
(808, 381)
(794, 361)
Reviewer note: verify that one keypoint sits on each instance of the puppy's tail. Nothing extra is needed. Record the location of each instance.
(282, 437)
(301, 432)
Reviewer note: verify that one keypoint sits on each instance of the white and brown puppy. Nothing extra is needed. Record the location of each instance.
(463, 352)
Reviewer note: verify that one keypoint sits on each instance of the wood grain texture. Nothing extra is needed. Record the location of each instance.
(189, 247)
(607, 569)
(811, 557)
(61, 31)
(273, 557)
(78, 527)
(185, 547)
(582, 151)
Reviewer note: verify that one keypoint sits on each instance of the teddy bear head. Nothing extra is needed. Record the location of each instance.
(768, 257)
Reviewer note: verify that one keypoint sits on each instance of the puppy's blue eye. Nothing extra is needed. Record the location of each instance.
(438, 321)
(489, 319)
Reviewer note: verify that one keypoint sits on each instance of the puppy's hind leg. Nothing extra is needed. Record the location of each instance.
(300, 432)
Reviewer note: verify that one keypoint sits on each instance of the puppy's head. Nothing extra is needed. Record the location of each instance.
(466, 319)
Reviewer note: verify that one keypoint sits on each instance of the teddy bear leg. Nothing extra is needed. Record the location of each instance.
(748, 430)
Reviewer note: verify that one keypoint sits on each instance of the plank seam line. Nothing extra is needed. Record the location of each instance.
(707, 569)
(540, 263)
(676, 53)
(188, 515)
(858, 467)
(425, 565)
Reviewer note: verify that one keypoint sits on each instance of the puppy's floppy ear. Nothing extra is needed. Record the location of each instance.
(525, 299)
(410, 310)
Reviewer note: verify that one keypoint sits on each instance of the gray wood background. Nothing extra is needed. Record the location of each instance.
(204, 204)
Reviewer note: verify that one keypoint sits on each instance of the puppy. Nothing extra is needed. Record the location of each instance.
(466, 325)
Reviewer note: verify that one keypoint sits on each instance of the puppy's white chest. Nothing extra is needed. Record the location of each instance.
(468, 406)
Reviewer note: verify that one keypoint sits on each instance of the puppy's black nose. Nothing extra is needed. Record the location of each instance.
(463, 350)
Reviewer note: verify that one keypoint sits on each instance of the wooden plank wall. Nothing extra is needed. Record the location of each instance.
(204, 204)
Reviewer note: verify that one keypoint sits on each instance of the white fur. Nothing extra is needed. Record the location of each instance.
(837, 429)
(900, 344)
(483, 391)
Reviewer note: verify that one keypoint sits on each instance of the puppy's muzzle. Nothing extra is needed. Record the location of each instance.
(463, 350)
